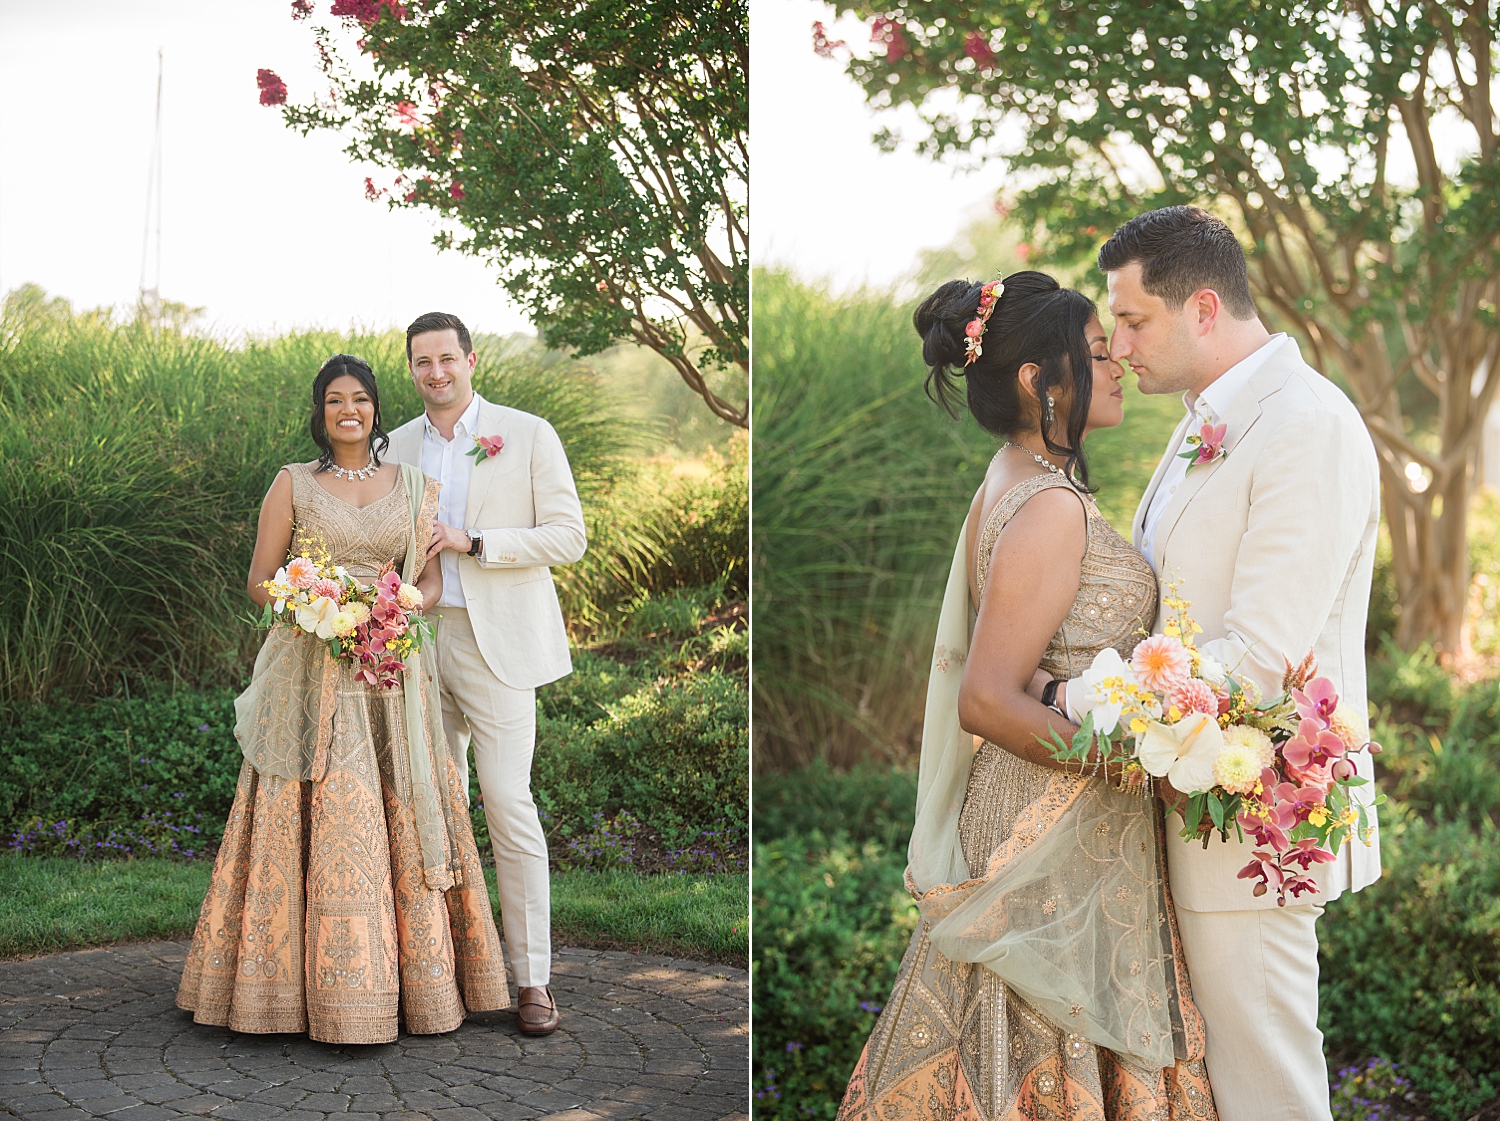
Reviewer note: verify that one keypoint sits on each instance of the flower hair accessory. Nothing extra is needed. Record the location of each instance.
(989, 296)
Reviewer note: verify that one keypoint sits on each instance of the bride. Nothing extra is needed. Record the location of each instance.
(347, 889)
(1045, 979)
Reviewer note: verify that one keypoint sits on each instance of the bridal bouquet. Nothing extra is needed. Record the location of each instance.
(1278, 769)
(375, 627)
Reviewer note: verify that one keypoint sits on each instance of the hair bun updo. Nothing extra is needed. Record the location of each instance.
(1036, 320)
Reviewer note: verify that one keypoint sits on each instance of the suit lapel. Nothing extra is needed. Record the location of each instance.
(490, 423)
(1137, 527)
(1238, 420)
(406, 441)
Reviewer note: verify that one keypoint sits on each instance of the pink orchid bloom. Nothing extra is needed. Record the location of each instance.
(1210, 439)
(492, 445)
(1265, 868)
(1312, 744)
(1309, 851)
(1299, 885)
(1317, 700)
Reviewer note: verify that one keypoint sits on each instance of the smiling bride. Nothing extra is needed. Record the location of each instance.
(347, 897)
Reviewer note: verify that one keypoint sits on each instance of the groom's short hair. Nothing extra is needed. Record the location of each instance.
(1182, 250)
(438, 321)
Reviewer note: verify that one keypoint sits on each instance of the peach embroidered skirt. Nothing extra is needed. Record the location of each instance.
(318, 918)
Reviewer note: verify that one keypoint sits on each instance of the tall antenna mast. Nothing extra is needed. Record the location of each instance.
(150, 298)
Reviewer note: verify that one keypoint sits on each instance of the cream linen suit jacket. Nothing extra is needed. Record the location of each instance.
(524, 501)
(1274, 546)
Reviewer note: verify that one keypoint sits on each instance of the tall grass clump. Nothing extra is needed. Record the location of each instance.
(861, 488)
(132, 466)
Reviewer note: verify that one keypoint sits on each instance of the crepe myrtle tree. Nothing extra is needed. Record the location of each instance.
(1353, 143)
(594, 152)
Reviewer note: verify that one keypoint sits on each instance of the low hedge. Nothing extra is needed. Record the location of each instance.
(1410, 966)
(655, 728)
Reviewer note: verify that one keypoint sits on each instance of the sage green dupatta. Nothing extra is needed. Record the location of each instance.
(284, 720)
(1070, 911)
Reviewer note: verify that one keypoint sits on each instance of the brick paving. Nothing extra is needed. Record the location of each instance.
(95, 1033)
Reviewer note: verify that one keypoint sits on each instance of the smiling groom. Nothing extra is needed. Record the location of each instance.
(507, 510)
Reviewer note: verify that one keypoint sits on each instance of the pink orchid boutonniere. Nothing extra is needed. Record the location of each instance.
(1205, 446)
(486, 447)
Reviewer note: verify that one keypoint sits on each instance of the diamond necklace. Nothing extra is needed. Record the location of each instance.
(1048, 464)
(368, 471)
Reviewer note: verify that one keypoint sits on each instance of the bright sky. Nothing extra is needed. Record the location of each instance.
(265, 228)
(824, 200)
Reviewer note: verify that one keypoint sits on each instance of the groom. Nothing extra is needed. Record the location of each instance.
(1273, 545)
(501, 520)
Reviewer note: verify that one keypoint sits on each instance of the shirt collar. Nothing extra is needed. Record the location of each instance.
(463, 426)
(1226, 387)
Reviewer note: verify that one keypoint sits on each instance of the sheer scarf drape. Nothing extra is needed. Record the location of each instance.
(1071, 910)
(284, 719)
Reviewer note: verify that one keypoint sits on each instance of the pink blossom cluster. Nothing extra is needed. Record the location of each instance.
(823, 46)
(891, 33)
(272, 88)
(367, 11)
(1314, 759)
(388, 621)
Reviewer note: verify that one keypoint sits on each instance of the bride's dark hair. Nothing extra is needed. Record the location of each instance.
(337, 367)
(1035, 320)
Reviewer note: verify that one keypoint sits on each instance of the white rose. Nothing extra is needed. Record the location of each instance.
(1211, 670)
(1184, 752)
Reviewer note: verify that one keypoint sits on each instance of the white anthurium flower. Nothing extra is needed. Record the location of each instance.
(318, 617)
(1183, 752)
(1100, 692)
(1211, 670)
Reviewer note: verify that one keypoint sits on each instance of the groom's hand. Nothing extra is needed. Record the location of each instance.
(1038, 681)
(444, 536)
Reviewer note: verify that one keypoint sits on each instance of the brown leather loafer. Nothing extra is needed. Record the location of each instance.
(536, 1010)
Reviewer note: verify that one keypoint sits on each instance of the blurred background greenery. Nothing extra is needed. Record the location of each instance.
(133, 460)
(861, 485)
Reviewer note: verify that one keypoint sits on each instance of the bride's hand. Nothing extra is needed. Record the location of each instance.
(1169, 793)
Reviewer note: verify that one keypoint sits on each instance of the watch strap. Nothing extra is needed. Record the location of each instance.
(1049, 693)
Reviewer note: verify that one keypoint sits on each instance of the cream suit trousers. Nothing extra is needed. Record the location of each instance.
(500, 722)
(1255, 979)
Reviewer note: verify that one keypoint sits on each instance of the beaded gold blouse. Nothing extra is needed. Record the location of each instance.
(1116, 587)
(1116, 602)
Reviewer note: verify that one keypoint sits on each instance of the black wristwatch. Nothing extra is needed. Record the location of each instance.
(1049, 692)
(476, 544)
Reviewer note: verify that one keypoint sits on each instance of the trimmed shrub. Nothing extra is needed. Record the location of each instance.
(1410, 966)
(831, 923)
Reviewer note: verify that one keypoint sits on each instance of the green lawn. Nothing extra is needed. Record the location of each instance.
(53, 903)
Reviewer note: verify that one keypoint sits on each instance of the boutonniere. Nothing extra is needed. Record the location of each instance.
(486, 447)
(1206, 445)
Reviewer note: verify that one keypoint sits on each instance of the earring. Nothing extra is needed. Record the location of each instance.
(1050, 404)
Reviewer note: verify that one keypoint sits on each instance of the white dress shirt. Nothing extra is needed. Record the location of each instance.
(1215, 400)
(447, 461)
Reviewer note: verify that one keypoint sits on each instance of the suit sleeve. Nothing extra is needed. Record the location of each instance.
(1312, 492)
(558, 536)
